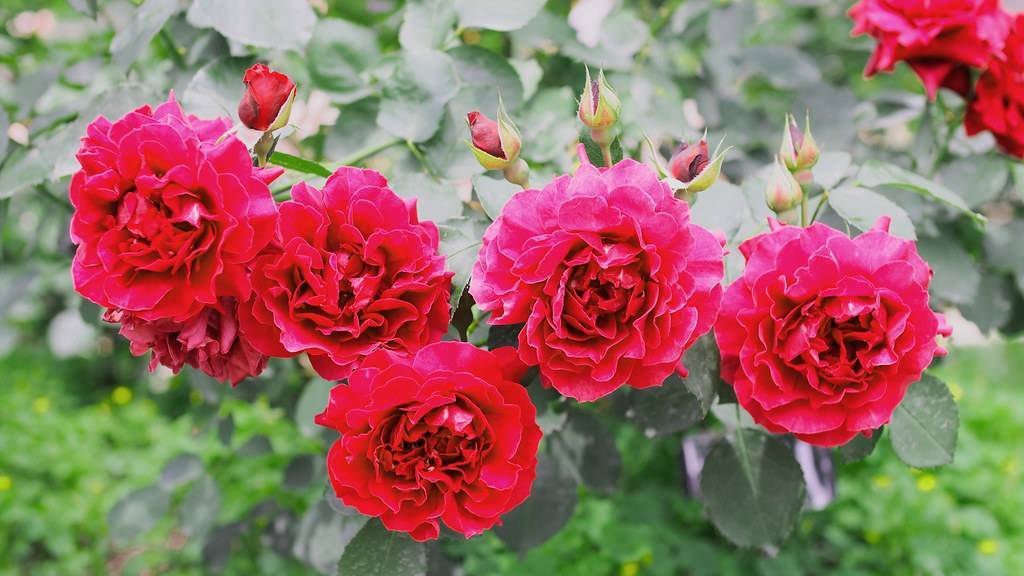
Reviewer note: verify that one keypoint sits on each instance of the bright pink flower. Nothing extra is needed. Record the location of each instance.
(938, 39)
(823, 334)
(448, 435)
(352, 270)
(166, 219)
(998, 101)
(609, 275)
(208, 341)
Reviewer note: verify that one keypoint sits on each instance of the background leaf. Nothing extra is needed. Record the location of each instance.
(284, 24)
(415, 93)
(132, 40)
(924, 426)
(496, 14)
(377, 551)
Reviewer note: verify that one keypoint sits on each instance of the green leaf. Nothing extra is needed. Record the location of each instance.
(1017, 168)
(493, 193)
(722, 208)
(460, 245)
(860, 447)
(588, 446)
(311, 402)
(753, 488)
(324, 535)
(874, 174)
(183, 469)
(355, 130)
(594, 153)
(131, 41)
(550, 506)
(25, 168)
(415, 93)
(338, 54)
(298, 164)
(831, 168)
(499, 15)
(435, 201)
(862, 207)
(427, 24)
(283, 24)
(216, 89)
(200, 508)
(924, 426)
(483, 75)
(991, 307)
(623, 35)
(679, 403)
(137, 513)
(5, 124)
(956, 275)
(978, 179)
(377, 551)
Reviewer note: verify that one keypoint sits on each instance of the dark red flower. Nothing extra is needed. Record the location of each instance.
(998, 102)
(609, 275)
(267, 94)
(823, 334)
(938, 39)
(166, 219)
(352, 270)
(448, 435)
(208, 341)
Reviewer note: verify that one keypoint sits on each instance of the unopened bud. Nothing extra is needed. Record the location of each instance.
(798, 151)
(496, 145)
(599, 106)
(693, 168)
(267, 103)
(783, 192)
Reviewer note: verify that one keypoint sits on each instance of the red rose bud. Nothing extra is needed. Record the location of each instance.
(783, 191)
(693, 168)
(798, 151)
(599, 106)
(496, 145)
(267, 103)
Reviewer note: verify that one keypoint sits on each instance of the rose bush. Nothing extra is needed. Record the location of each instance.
(610, 277)
(446, 435)
(351, 270)
(166, 217)
(823, 334)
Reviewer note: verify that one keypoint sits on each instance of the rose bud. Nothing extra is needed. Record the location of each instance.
(783, 191)
(799, 151)
(599, 106)
(267, 102)
(496, 145)
(693, 168)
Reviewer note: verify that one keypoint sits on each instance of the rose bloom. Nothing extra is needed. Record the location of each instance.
(610, 277)
(208, 341)
(267, 93)
(351, 270)
(447, 435)
(823, 334)
(998, 102)
(166, 219)
(939, 39)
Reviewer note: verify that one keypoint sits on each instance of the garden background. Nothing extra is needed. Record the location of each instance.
(106, 468)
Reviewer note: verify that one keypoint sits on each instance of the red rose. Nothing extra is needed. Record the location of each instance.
(166, 219)
(938, 39)
(267, 95)
(998, 102)
(823, 334)
(352, 271)
(208, 341)
(446, 435)
(689, 161)
(609, 275)
(484, 133)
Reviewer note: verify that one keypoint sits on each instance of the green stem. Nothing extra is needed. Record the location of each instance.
(606, 151)
(360, 155)
(803, 210)
(172, 47)
(821, 204)
(418, 154)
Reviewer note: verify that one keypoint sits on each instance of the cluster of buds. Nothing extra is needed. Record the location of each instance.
(266, 106)
(791, 172)
(692, 169)
(496, 145)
